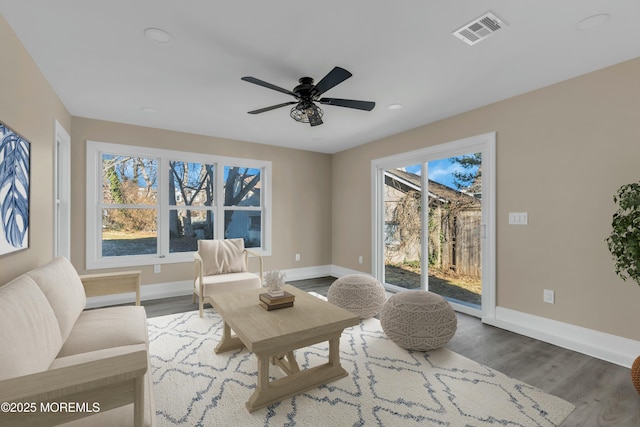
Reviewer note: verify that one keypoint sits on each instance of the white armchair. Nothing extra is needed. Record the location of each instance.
(223, 266)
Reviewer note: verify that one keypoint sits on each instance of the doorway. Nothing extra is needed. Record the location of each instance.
(62, 193)
(433, 222)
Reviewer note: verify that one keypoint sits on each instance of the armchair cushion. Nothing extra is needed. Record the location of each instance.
(222, 256)
(30, 335)
(229, 282)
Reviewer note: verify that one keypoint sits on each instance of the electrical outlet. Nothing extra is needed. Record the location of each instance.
(360, 259)
(297, 257)
(156, 268)
(548, 296)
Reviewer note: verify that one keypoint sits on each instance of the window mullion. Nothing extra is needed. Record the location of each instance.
(163, 207)
(218, 201)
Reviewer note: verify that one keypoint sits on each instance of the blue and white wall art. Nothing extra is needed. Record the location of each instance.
(15, 153)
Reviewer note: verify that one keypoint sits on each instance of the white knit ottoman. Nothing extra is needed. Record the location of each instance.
(418, 320)
(360, 294)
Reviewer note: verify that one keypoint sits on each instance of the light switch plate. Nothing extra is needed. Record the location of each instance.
(518, 218)
(548, 296)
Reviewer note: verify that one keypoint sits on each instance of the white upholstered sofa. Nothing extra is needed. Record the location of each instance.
(61, 364)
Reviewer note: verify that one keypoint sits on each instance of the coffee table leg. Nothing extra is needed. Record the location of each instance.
(334, 352)
(228, 341)
(269, 392)
(259, 395)
(287, 362)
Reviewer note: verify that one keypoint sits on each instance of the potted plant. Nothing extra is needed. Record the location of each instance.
(624, 245)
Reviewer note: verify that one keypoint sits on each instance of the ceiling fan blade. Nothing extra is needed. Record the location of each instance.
(273, 107)
(349, 103)
(268, 85)
(334, 78)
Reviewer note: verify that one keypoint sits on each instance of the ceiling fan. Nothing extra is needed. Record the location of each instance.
(307, 94)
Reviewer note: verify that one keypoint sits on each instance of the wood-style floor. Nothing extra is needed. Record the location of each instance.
(602, 392)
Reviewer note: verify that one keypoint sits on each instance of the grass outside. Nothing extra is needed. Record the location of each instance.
(446, 284)
(127, 235)
(119, 243)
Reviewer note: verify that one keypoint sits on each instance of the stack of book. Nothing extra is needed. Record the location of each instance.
(269, 302)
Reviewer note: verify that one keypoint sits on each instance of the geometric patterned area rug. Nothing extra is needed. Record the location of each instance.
(386, 386)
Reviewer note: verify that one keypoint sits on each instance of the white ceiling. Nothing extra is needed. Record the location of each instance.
(96, 57)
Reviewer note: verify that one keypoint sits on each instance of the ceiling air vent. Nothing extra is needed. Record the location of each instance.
(479, 29)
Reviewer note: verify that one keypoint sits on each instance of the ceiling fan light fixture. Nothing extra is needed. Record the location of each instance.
(307, 94)
(307, 113)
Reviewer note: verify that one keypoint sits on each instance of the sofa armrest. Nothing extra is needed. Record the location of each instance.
(109, 382)
(100, 284)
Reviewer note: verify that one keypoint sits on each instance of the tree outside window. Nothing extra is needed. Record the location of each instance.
(153, 206)
(130, 209)
(243, 205)
(190, 205)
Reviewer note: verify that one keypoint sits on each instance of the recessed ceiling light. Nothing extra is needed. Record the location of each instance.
(148, 110)
(158, 35)
(395, 106)
(592, 22)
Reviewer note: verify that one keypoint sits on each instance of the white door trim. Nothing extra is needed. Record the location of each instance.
(486, 144)
(62, 192)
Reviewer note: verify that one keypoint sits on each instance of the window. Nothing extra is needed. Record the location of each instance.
(129, 220)
(190, 193)
(150, 206)
(242, 213)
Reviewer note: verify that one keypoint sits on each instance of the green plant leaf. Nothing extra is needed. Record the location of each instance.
(624, 240)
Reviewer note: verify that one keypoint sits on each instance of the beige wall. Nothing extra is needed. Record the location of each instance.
(30, 107)
(301, 192)
(562, 152)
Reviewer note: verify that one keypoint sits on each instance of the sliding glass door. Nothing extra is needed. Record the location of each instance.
(403, 226)
(431, 220)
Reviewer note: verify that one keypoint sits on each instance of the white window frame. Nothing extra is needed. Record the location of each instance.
(95, 150)
(486, 144)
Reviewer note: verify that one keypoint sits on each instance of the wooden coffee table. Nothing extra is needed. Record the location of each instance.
(273, 335)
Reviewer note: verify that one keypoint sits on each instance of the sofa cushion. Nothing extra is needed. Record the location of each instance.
(222, 256)
(63, 288)
(29, 332)
(105, 328)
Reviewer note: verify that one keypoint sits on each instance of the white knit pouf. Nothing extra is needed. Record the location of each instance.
(360, 294)
(418, 320)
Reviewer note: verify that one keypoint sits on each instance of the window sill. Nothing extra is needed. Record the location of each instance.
(142, 260)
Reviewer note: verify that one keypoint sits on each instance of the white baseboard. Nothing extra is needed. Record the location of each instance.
(307, 272)
(318, 271)
(611, 348)
(147, 292)
(337, 271)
